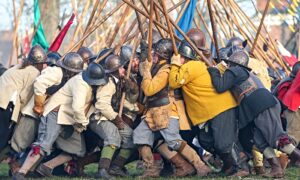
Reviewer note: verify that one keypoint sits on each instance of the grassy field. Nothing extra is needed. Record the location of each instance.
(291, 174)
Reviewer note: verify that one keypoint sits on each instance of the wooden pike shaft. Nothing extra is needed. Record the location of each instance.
(150, 30)
(260, 25)
(259, 53)
(15, 34)
(118, 25)
(90, 19)
(147, 11)
(147, 16)
(135, 45)
(139, 22)
(187, 39)
(204, 23)
(213, 28)
(273, 49)
(97, 25)
(163, 4)
(187, 2)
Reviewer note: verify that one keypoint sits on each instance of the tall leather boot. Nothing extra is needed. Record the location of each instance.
(190, 154)
(88, 159)
(116, 168)
(183, 168)
(240, 165)
(295, 155)
(276, 169)
(104, 165)
(151, 169)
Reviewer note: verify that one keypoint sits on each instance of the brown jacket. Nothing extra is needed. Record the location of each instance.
(19, 81)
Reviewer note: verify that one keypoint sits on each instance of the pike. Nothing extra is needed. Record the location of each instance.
(97, 25)
(260, 25)
(15, 33)
(213, 27)
(147, 16)
(150, 30)
(163, 4)
(139, 22)
(117, 26)
(90, 20)
(135, 45)
(187, 39)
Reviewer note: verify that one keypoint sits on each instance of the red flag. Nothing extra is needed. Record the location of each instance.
(26, 45)
(287, 56)
(60, 37)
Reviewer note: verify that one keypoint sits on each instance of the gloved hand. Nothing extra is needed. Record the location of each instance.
(144, 50)
(176, 60)
(144, 69)
(79, 127)
(39, 101)
(118, 121)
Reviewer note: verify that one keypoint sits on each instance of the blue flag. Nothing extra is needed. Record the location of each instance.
(185, 22)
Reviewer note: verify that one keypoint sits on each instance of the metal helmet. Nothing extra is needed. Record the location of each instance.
(295, 69)
(100, 54)
(236, 41)
(164, 48)
(37, 55)
(95, 75)
(52, 58)
(198, 37)
(126, 53)
(186, 50)
(113, 63)
(155, 36)
(72, 62)
(85, 53)
(240, 58)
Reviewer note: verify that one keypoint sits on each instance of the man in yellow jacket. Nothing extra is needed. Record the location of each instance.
(161, 115)
(213, 113)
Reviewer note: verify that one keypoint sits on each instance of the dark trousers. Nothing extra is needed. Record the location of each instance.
(6, 125)
(220, 133)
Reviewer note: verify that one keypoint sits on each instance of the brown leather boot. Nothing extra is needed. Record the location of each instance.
(183, 168)
(117, 165)
(88, 159)
(104, 164)
(14, 166)
(295, 155)
(190, 154)
(284, 160)
(151, 169)
(259, 170)
(276, 169)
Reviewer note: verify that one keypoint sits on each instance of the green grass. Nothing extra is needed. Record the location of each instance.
(291, 174)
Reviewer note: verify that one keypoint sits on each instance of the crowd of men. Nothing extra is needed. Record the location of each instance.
(59, 114)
